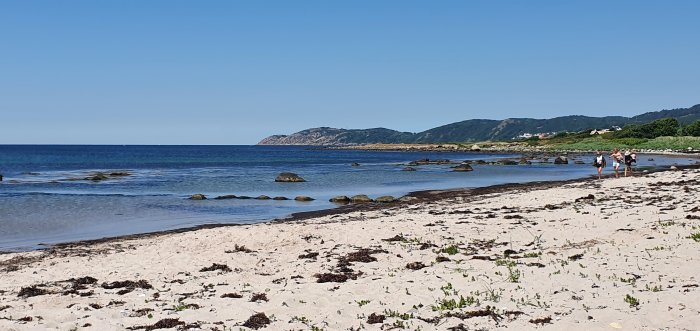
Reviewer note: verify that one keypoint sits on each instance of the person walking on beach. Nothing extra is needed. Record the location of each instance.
(599, 163)
(616, 157)
(629, 159)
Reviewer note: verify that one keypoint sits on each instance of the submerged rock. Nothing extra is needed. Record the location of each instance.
(263, 197)
(360, 198)
(408, 169)
(280, 198)
(304, 198)
(225, 197)
(507, 162)
(198, 196)
(97, 177)
(289, 177)
(355, 164)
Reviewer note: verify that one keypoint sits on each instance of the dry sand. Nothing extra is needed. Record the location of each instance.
(528, 257)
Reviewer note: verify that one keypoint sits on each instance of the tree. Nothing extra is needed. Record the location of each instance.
(692, 129)
(658, 128)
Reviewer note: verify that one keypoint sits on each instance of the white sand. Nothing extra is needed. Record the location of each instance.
(630, 240)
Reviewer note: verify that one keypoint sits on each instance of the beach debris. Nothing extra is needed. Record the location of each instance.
(363, 255)
(340, 199)
(385, 199)
(198, 196)
(616, 325)
(561, 160)
(541, 320)
(397, 237)
(127, 285)
(373, 318)
(463, 168)
(309, 255)
(487, 311)
(166, 323)
(408, 169)
(239, 249)
(231, 295)
(304, 198)
(590, 197)
(32, 291)
(258, 297)
(334, 277)
(257, 321)
(360, 198)
(225, 197)
(215, 267)
(289, 177)
(263, 197)
(415, 265)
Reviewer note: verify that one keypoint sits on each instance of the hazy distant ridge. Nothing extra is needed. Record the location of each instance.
(473, 130)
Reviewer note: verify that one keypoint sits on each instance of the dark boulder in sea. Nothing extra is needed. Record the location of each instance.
(289, 177)
(0, 178)
(507, 162)
(280, 198)
(198, 196)
(480, 162)
(340, 199)
(524, 161)
(225, 197)
(428, 161)
(263, 197)
(463, 168)
(360, 198)
(304, 198)
(385, 199)
(355, 164)
(408, 169)
(561, 160)
(119, 174)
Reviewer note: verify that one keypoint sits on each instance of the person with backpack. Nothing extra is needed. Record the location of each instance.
(599, 162)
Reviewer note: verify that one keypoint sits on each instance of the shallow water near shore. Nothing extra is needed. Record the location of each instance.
(45, 199)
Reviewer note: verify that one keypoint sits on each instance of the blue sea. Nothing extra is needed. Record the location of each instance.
(44, 198)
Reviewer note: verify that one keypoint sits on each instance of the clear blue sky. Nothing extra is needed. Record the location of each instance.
(233, 72)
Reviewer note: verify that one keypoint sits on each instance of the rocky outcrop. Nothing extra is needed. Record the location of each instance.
(561, 160)
(198, 196)
(340, 199)
(225, 197)
(385, 199)
(289, 177)
(360, 198)
(464, 167)
(304, 198)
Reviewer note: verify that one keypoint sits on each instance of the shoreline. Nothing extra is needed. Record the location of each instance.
(420, 196)
(578, 254)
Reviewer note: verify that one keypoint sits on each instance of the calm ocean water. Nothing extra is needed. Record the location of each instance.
(43, 201)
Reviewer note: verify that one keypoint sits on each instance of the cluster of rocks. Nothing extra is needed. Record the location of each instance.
(200, 196)
(430, 162)
(363, 198)
(99, 176)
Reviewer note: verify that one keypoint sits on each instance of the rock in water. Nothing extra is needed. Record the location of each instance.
(355, 164)
(97, 177)
(263, 197)
(463, 168)
(225, 197)
(289, 177)
(280, 198)
(303, 198)
(340, 199)
(408, 169)
(385, 199)
(198, 196)
(561, 160)
(360, 198)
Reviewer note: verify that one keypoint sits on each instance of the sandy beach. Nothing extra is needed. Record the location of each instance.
(580, 255)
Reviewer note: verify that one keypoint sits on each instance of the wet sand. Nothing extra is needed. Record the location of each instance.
(582, 255)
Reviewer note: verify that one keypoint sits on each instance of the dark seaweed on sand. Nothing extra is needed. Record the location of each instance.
(257, 321)
(231, 295)
(375, 319)
(541, 320)
(310, 255)
(258, 297)
(31, 291)
(127, 284)
(215, 267)
(415, 265)
(166, 323)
